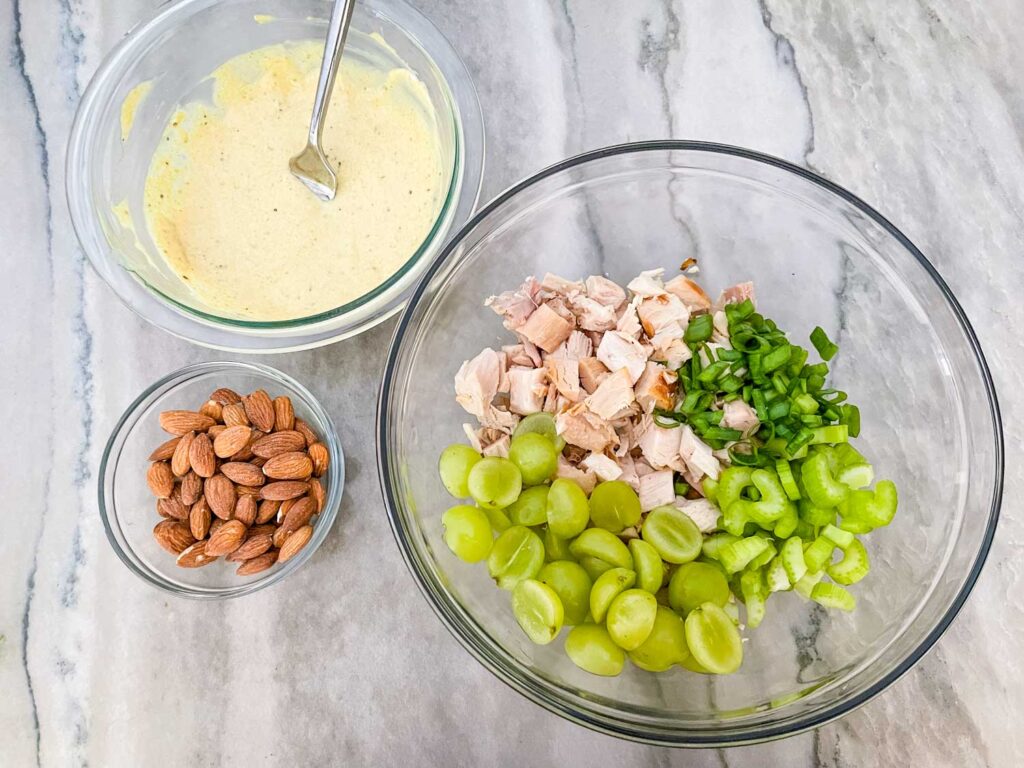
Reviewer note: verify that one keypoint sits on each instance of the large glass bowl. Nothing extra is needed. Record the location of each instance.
(819, 256)
(172, 54)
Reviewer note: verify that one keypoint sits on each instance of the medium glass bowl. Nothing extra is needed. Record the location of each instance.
(174, 51)
(127, 505)
(818, 256)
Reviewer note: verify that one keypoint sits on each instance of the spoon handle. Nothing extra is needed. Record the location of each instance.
(336, 34)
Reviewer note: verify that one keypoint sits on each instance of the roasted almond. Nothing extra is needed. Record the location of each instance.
(174, 536)
(267, 511)
(231, 440)
(200, 456)
(234, 415)
(160, 479)
(261, 530)
(320, 457)
(195, 556)
(246, 451)
(281, 536)
(212, 409)
(284, 489)
(280, 442)
(215, 525)
(284, 414)
(183, 422)
(288, 466)
(172, 507)
(227, 538)
(316, 492)
(299, 514)
(179, 461)
(248, 490)
(165, 450)
(258, 461)
(260, 410)
(294, 543)
(191, 489)
(257, 564)
(220, 495)
(199, 518)
(242, 473)
(283, 511)
(215, 430)
(307, 432)
(245, 510)
(254, 546)
(225, 396)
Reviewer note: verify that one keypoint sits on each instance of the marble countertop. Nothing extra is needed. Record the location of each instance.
(915, 105)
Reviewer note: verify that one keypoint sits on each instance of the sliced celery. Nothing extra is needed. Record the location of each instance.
(807, 583)
(713, 544)
(792, 557)
(785, 473)
(837, 536)
(853, 567)
(752, 586)
(737, 555)
(818, 554)
(833, 596)
(822, 488)
(856, 475)
(775, 577)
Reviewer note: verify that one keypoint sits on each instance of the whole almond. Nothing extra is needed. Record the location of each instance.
(260, 410)
(225, 396)
(246, 451)
(199, 518)
(172, 506)
(307, 433)
(320, 457)
(294, 543)
(212, 409)
(316, 492)
(261, 530)
(248, 490)
(284, 414)
(234, 415)
(281, 536)
(284, 489)
(160, 479)
(254, 546)
(215, 430)
(179, 461)
(215, 525)
(220, 495)
(299, 514)
(191, 489)
(165, 450)
(242, 473)
(183, 422)
(285, 507)
(280, 442)
(195, 556)
(258, 461)
(245, 510)
(267, 511)
(174, 536)
(227, 538)
(231, 440)
(289, 466)
(200, 456)
(257, 564)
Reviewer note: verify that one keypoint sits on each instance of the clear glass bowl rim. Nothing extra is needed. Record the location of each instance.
(325, 520)
(525, 683)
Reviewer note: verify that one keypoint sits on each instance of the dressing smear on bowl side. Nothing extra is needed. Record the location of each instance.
(247, 238)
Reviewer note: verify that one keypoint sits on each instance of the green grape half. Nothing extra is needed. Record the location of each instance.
(694, 584)
(516, 555)
(535, 456)
(538, 610)
(604, 545)
(499, 520)
(542, 424)
(665, 646)
(630, 618)
(594, 566)
(568, 511)
(572, 585)
(467, 532)
(713, 639)
(454, 466)
(673, 534)
(649, 567)
(614, 505)
(607, 587)
(556, 548)
(592, 649)
(494, 482)
(531, 508)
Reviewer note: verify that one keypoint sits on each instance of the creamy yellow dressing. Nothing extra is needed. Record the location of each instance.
(130, 106)
(248, 238)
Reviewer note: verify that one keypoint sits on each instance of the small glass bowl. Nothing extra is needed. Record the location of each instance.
(128, 508)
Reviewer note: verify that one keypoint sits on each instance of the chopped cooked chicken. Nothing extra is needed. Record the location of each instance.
(564, 373)
(697, 454)
(592, 315)
(735, 295)
(551, 399)
(525, 355)
(576, 347)
(629, 474)
(648, 283)
(614, 394)
(546, 328)
(503, 382)
(617, 350)
(691, 294)
(529, 387)
(586, 479)
(660, 445)
(592, 373)
(476, 384)
(656, 490)
(473, 437)
(701, 511)
(737, 414)
(559, 286)
(656, 388)
(516, 306)
(603, 290)
(498, 448)
(602, 466)
(670, 348)
(585, 429)
(629, 321)
(665, 313)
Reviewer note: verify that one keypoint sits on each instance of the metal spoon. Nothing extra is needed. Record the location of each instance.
(310, 166)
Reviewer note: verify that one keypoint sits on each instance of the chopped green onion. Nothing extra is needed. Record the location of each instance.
(722, 433)
(826, 349)
(700, 329)
(680, 488)
(740, 310)
(730, 383)
(776, 358)
(804, 403)
(851, 417)
(713, 371)
(802, 437)
(797, 360)
(778, 411)
(730, 355)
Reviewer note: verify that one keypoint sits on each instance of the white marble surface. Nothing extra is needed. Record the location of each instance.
(916, 106)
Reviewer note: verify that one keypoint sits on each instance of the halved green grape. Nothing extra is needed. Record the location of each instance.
(594, 566)
(542, 424)
(568, 510)
(607, 587)
(531, 508)
(673, 534)
(499, 520)
(614, 505)
(602, 544)
(572, 585)
(664, 646)
(694, 584)
(495, 482)
(693, 665)
(535, 455)
(592, 649)
(467, 532)
(454, 465)
(649, 567)
(516, 555)
(630, 618)
(853, 567)
(556, 548)
(713, 639)
(833, 596)
(538, 609)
